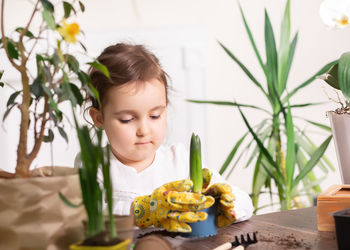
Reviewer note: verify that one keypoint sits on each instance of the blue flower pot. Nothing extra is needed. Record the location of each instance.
(204, 228)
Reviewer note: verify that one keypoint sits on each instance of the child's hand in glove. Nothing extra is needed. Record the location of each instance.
(225, 213)
(171, 207)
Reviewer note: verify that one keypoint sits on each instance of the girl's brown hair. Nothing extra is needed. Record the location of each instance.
(125, 63)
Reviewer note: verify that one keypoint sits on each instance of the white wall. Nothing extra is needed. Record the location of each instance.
(221, 21)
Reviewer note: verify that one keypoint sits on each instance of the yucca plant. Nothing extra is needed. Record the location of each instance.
(291, 170)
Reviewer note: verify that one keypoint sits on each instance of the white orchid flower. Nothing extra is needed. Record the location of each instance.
(335, 13)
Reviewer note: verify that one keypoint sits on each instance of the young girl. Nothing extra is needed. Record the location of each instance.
(151, 179)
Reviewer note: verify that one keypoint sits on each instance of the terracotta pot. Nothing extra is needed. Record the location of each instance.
(32, 215)
(120, 246)
(340, 124)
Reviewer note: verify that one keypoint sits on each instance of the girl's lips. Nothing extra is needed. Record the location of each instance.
(142, 143)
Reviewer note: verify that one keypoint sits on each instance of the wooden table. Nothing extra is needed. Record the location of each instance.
(293, 229)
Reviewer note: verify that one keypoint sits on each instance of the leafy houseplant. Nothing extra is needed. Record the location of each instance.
(57, 78)
(207, 227)
(282, 152)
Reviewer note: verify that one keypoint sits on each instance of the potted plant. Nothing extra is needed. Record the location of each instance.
(95, 161)
(338, 77)
(41, 220)
(282, 152)
(207, 227)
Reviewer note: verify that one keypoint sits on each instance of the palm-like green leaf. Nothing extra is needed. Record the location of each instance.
(290, 158)
(271, 56)
(245, 69)
(226, 103)
(279, 176)
(284, 49)
(312, 162)
(251, 38)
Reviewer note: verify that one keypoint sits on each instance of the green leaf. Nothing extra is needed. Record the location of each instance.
(271, 55)
(12, 98)
(286, 67)
(73, 63)
(28, 33)
(323, 70)
(245, 69)
(83, 46)
(100, 67)
(49, 137)
(251, 38)
(76, 92)
(11, 48)
(344, 74)
(67, 9)
(226, 103)
(283, 52)
(2, 84)
(36, 87)
(312, 162)
(63, 133)
(83, 77)
(259, 179)
(290, 157)
(82, 7)
(232, 154)
(331, 76)
(264, 151)
(49, 19)
(321, 126)
(7, 112)
(67, 202)
(48, 6)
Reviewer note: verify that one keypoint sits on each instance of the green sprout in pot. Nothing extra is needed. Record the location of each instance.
(196, 174)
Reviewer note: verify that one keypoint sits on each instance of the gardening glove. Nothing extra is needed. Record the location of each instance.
(171, 207)
(223, 191)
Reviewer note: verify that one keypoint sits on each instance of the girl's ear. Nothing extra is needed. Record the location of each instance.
(96, 116)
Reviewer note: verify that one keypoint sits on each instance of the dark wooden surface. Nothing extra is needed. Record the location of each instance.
(294, 229)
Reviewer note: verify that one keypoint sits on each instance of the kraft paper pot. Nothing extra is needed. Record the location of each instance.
(204, 228)
(124, 225)
(32, 215)
(124, 245)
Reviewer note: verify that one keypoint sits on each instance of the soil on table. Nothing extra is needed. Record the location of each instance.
(288, 241)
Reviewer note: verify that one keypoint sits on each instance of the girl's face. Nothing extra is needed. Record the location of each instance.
(134, 119)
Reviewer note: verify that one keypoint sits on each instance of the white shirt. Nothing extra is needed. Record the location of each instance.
(171, 163)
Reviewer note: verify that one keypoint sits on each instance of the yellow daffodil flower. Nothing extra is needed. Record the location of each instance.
(335, 13)
(69, 31)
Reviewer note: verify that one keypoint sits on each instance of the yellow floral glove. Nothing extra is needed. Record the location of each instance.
(171, 207)
(225, 213)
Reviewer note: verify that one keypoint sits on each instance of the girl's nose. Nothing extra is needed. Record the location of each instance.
(142, 129)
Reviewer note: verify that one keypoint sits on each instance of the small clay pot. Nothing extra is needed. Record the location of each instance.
(342, 225)
(204, 228)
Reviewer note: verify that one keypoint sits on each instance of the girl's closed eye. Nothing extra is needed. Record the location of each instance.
(126, 120)
(154, 117)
